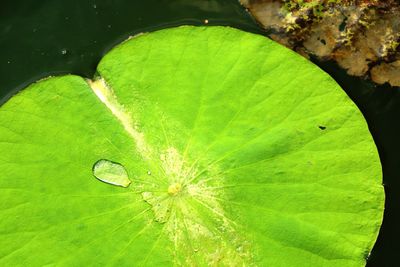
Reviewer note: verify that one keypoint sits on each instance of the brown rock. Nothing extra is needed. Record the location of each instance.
(356, 34)
(325, 35)
(387, 72)
(266, 12)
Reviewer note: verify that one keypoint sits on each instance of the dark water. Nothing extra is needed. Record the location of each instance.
(42, 38)
(49, 37)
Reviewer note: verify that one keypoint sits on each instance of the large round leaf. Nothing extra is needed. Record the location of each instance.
(211, 147)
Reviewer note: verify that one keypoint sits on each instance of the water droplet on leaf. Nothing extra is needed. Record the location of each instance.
(64, 51)
(111, 173)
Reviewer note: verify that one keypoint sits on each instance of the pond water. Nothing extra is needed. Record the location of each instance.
(42, 38)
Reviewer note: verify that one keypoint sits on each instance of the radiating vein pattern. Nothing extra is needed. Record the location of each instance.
(202, 233)
(213, 138)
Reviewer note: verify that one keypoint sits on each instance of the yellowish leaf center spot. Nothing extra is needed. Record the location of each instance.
(174, 189)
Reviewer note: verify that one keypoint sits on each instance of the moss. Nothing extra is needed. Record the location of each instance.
(356, 34)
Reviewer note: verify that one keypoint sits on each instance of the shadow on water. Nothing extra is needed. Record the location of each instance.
(43, 38)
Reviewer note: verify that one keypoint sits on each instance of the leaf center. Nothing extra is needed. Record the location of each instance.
(174, 189)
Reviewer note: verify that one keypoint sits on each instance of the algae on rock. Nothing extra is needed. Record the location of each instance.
(361, 36)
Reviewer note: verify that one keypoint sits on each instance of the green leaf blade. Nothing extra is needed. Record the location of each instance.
(239, 151)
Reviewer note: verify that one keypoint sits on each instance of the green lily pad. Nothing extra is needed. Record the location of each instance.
(238, 152)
